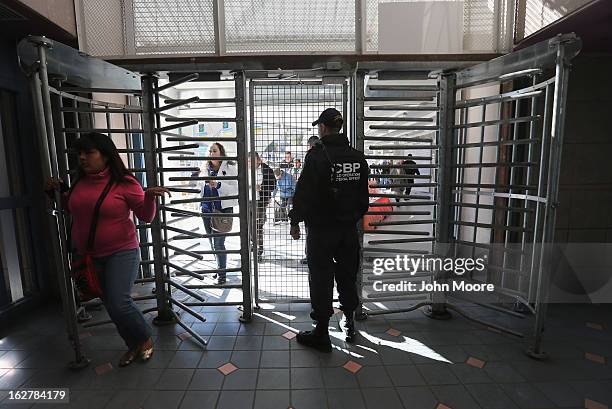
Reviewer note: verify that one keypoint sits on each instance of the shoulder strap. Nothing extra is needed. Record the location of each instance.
(332, 165)
(94, 220)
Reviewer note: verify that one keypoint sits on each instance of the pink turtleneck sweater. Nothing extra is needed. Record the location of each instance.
(115, 230)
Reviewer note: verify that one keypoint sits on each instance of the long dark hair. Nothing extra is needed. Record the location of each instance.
(222, 152)
(106, 146)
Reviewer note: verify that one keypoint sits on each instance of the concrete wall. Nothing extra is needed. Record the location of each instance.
(60, 12)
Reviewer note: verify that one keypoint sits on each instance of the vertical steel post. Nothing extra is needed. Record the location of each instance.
(60, 135)
(545, 137)
(44, 109)
(359, 133)
(219, 26)
(252, 206)
(359, 43)
(241, 152)
(552, 193)
(165, 314)
(443, 236)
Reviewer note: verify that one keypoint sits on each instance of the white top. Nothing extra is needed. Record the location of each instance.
(228, 187)
(259, 178)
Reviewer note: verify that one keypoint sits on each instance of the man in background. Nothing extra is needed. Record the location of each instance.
(288, 162)
(265, 183)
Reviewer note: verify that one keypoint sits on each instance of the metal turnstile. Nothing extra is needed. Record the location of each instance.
(181, 166)
(73, 94)
(486, 140)
(397, 129)
(506, 136)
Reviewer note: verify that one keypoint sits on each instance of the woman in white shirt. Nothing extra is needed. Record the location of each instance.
(221, 189)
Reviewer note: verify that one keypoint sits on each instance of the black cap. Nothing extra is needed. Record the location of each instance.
(330, 117)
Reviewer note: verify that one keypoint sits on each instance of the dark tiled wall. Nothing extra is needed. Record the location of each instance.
(582, 270)
(585, 213)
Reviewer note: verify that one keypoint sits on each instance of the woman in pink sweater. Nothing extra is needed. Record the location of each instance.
(116, 252)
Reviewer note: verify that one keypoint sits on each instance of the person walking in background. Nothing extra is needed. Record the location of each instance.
(288, 162)
(297, 169)
(409, 168)
(312, 141)
(265, 183)
(285, 185)
(114, 248)
(221, 189)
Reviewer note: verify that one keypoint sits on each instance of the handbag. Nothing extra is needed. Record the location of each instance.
(82, 270)
(221, 224)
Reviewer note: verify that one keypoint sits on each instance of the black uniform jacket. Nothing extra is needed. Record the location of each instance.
(268, 184)
(323, 198)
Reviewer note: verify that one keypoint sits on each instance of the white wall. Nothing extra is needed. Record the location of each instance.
(421, 27)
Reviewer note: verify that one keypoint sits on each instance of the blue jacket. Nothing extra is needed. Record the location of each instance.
(207, 191)
(286, 186)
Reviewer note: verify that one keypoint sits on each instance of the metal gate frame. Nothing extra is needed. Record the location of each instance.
(44, 60)
(157, 169)
(545, 68)
(531, 62)
(335, 77)
(406, 98)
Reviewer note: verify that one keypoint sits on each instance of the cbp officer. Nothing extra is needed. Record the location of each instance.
(330, 197)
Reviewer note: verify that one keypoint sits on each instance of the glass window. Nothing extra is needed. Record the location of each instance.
(17, 275)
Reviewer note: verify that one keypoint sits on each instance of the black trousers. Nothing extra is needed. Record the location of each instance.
(332, 252)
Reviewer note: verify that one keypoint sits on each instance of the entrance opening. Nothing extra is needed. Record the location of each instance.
(281, 115)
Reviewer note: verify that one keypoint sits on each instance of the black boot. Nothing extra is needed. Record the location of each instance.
(314, 318)
(317, 338)
(349, 327)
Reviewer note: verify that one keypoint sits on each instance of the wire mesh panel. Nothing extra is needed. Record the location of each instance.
(282, 113)
(539, 13)
(103, 23)
(171, 26)
(487, 25)
(289, 26)
(397, 129)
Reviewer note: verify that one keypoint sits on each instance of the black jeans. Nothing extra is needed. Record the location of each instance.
(260, 214)
(326, 244)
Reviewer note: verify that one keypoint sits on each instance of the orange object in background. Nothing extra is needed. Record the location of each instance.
(371, 218)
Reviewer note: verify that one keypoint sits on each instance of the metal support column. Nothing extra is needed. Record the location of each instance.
(241, 142)
(359, 132)
(165, 314)
(562, 66)
(446, 157)
(43, 99)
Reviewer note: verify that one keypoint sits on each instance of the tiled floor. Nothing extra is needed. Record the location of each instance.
(400, 361)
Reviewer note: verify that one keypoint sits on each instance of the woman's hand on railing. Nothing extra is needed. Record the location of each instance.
(158, 191)
(52, 184)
